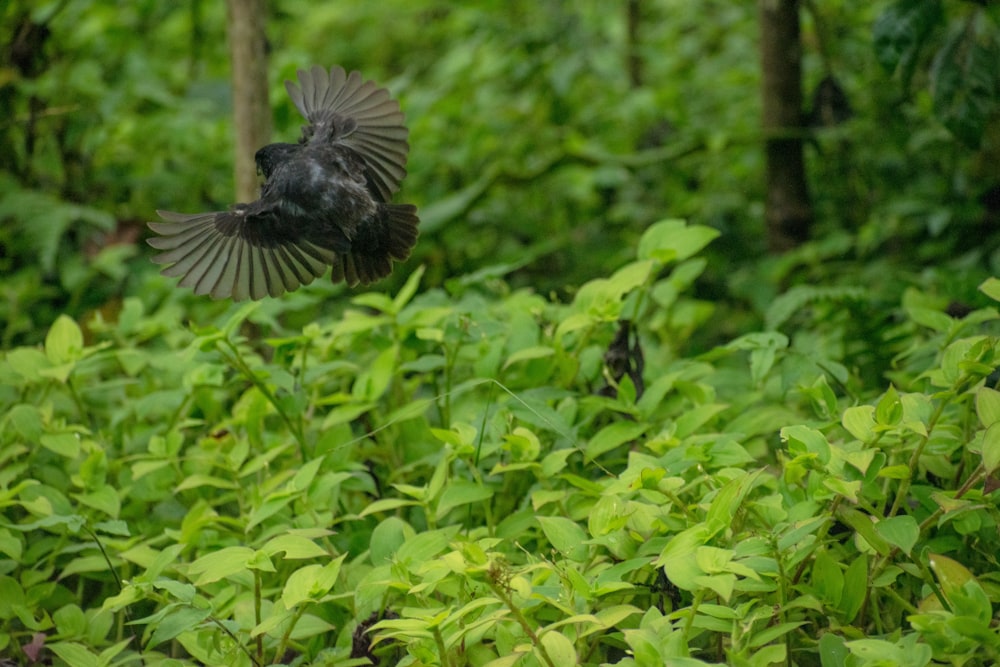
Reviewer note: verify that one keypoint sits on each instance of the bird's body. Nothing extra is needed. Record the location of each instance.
(325, 202)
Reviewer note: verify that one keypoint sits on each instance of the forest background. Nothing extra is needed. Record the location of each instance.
(694, 361)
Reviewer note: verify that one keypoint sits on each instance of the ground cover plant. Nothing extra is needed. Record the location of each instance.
(479, 476)
(597, 418)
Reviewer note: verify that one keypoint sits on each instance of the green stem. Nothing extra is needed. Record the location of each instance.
(256, 613)
(234, 358)
(286, 637)
(504, 596)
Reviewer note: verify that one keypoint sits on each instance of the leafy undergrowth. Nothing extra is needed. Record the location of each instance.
(474, 476)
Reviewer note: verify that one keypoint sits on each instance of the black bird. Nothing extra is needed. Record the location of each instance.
(324, 201)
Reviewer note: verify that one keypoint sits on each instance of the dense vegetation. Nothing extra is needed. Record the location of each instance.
(591, 421)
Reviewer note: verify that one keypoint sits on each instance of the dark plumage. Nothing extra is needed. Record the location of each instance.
(325, 202)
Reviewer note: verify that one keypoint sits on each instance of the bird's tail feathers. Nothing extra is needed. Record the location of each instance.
(372, 259)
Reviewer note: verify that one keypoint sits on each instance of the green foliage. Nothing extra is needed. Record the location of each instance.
(577, 434)
(468, 478)
(964, 80)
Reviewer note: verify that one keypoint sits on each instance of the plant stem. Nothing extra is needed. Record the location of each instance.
(504, 595)
(234, 358)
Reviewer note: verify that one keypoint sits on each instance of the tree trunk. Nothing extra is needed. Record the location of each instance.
(251, 109)
(788, 210)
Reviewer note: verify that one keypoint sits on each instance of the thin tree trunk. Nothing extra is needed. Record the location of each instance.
(788, 210)
(251, 109)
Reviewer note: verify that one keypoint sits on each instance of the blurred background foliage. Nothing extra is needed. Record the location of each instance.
(546, 136)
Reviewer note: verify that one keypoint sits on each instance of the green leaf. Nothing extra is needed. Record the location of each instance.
(529, 353)
(63, 444)
(613, 435)
(74, 654)
(899, 531)
(855, 588)
(566, 535)
(375, 379)
(180, 619)
(461, 492)
(422, 547)
(558, 648)
(991, 288)
(889, 410)
(862, 524)
(220, 564)
(832, 650)
(294, 547)
(64, 342)
(678, 558)
(966, 86)
(27, 421)
(988, 406)
(803, 439)
(827, 579)
(673, 240)
(900, 32)
(991, 448)
(860, 422)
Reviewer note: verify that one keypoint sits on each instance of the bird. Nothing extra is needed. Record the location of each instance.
(324, 202)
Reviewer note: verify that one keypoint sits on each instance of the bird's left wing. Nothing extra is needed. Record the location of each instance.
(239, 254)
(345, 108)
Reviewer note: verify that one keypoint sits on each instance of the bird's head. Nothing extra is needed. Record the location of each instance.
(270, 156)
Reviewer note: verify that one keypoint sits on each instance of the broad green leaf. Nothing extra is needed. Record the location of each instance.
(720, 584)
(988, 406)
(802, 439)
(899, 531)
(422, 547)
(180, 591)
(991, 448)
(613, 435)
(951, 574)
(70, 620)
(558, 648)
(64, 444)
(74, 654)
(461, 492)
(860, 422)
(64, 342)
(771, 633)
(299, 585)
(729, 498)
(528, 354)
(832, 651)
(27, 421)
(375, 379)
(827, 578)
(220, 564)
(991, 288)
(677, 558)
(855, 588)
(180, 619)
(863, 526)
(566, 535)
(293, 547)
(674, 240)
(889, 409)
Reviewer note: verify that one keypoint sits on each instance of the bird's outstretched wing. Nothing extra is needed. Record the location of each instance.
(342, 107)
(223, 255)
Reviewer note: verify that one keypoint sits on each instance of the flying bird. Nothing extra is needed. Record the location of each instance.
(325, 201)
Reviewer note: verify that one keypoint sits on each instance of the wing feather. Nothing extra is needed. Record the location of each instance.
(345, 108)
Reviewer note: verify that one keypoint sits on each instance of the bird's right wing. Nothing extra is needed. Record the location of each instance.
(342, 107)
(236, 254)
